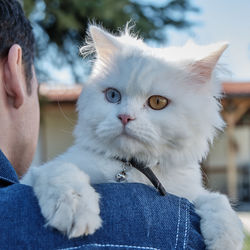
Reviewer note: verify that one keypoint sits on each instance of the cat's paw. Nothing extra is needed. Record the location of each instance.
(220, 225)
(67, 201)
(74, 213)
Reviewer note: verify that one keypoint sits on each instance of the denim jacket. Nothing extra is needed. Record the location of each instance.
(134, 216)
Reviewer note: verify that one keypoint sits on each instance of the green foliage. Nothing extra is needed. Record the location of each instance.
(247, 242)
(64, 22)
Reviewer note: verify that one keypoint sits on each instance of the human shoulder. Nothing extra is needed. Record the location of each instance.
(134, 216)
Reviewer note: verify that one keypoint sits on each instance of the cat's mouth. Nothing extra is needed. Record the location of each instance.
(130, 135)
(126, 134)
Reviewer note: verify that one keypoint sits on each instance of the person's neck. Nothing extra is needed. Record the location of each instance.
(9, 148)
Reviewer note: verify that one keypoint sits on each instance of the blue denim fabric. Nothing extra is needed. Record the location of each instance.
(134, 216)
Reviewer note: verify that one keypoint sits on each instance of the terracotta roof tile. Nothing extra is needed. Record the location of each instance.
(237, 88)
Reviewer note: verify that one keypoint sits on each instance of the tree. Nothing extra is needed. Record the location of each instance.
(63, 23)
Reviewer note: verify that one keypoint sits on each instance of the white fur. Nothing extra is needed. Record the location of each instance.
(176, 137)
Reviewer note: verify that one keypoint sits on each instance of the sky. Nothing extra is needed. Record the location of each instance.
(222, 20)
(218, 20)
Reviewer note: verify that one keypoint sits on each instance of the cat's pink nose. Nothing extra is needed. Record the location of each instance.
(125, 118)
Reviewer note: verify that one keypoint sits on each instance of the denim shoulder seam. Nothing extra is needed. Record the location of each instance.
(178, 224)
(187, 219)
(110, 245)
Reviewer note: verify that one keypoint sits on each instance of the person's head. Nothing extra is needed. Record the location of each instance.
(19, 107)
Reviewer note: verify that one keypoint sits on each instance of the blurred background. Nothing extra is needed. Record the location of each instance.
(60, 29)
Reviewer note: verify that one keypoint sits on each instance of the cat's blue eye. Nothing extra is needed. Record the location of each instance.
(112, 95)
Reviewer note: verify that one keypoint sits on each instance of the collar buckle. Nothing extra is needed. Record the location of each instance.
(122, 175)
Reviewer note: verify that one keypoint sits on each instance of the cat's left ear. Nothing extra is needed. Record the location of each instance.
(106, 45)
(203, 66)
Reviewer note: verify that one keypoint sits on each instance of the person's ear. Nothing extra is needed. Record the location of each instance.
(14, 76)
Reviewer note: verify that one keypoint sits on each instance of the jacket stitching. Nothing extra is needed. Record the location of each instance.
(188, 228)
(178, 224)
(186, 220)
(110, 245)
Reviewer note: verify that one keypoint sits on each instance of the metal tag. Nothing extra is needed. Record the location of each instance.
(121, 177)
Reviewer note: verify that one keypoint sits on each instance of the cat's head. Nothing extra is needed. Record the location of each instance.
(159, 103)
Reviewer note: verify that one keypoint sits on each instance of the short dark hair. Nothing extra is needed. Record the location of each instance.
(15, 28)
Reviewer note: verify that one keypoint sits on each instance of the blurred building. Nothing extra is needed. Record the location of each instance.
(58, 118)
(226, 169)
(228, 163)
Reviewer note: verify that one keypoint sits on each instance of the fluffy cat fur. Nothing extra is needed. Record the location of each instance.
(172, 141)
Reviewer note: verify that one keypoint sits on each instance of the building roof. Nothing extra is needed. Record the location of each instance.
(63, 93)
(236, 88)
(70, 93)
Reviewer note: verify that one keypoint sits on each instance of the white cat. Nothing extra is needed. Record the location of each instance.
(159, 105)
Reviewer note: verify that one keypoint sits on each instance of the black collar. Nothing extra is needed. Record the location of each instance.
(142, 167)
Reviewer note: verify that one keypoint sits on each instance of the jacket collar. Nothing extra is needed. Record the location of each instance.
(8, 175)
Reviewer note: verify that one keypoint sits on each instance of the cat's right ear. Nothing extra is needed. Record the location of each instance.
(106, 45)
(203, 66)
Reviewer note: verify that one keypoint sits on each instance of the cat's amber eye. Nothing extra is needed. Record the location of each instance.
(157, 102)
(112, 95)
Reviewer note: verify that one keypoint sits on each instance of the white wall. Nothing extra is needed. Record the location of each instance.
(56, 126)
(218, 152)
